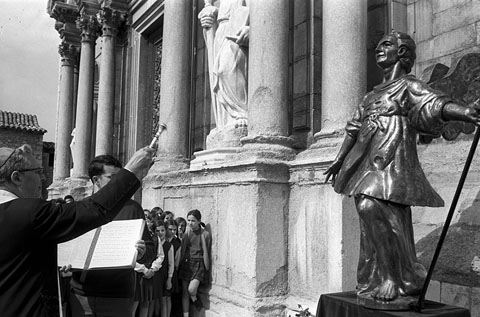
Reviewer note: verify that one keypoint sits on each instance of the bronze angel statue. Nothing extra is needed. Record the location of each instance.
(378, 165)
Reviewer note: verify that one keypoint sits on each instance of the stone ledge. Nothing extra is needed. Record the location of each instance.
(238, 172)
(164, 163)
(214, 158)
(225, 302)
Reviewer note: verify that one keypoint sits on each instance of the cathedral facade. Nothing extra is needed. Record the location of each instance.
(281, 235)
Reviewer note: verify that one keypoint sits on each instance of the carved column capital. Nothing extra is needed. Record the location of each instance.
(68, 53)
(89, 27)
(111, 20)
(64, 12)
(59, 27)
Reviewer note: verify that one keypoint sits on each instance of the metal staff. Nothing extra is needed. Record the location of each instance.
(161, 128)
(419, 305)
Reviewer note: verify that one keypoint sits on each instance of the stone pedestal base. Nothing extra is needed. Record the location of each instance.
(244, 207)
(56, 189)
(214, 158)
(79, 188)
(345, 305)
(401, 303)
(167, 163)
(260, 147)
(228, 136)
(324, 149)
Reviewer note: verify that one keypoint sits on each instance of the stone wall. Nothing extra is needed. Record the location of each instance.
(454, 281)
(443, 30)
(15, 138)
(323, 235)
(245, 208)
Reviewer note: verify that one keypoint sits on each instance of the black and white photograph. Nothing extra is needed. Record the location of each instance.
(239, 158)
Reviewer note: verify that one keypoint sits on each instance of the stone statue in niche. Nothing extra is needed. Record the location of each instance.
(378, 165)
(72, 148)
(226, 33)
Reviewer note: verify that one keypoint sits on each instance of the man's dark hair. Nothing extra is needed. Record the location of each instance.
(96, 165)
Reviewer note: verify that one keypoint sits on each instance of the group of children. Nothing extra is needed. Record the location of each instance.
(168, 285)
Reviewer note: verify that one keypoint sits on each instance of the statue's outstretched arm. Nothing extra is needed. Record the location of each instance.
(455, 112)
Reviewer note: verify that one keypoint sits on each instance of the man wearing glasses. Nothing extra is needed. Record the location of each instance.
(31, 228)
(109, 292)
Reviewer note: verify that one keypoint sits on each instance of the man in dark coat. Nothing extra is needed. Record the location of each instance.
(31, 227)
(109, 292)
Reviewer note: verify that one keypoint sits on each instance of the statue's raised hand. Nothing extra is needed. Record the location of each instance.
(243, 36)
(208, 16)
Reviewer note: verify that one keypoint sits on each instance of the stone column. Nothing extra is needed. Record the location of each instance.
(175, 83)
(268, 80)
(89, 27)
(344, 64)
(110, 20)
(69, 55)
(75, 92)
(343, 85)
(65, 15)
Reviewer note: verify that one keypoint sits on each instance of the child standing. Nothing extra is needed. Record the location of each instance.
(181, 227)
(163, 283)
(144, 290)
(195, 260)
(174, 302)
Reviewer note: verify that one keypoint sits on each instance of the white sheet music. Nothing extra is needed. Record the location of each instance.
(115, 247)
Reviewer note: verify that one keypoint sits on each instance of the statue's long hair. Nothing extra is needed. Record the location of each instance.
(408, 58)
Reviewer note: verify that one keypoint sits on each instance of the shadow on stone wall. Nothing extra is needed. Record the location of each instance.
(460, 246)
(462, 83)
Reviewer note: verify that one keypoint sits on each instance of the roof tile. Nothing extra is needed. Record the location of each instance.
(20, 121)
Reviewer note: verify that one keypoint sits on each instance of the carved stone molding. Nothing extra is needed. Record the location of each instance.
(69, 54)
(65, 16)
(88, 7)
(111, 20)
(89, 27)
(68, 32)
(59, 27)
(64, 12)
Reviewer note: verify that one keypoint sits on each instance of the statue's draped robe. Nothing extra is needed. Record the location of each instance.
(230, 68)
(383, 164)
